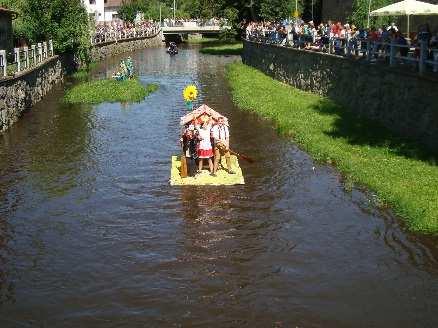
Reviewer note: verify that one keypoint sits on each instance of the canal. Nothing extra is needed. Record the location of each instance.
(92, 235)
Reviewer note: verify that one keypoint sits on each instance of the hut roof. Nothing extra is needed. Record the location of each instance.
(201, 110)
(7, 11)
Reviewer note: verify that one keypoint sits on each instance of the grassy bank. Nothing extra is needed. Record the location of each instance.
(109, 90)
(206, 41)
(223, 49)
(400, 173)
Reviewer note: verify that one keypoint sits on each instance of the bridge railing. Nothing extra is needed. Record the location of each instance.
(24, 58)
(125, 34)
(194, 23)
(420, 57)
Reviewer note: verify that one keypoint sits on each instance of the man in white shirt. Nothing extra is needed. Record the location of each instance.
(392, 27)
(221, 136)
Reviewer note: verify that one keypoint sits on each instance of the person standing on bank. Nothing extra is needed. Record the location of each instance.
(221, 137)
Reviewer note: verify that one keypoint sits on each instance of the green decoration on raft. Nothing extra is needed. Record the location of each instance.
(189, 105)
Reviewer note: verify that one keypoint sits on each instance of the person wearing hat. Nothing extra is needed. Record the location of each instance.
(190, 143)
(205, 149)
(221, 137)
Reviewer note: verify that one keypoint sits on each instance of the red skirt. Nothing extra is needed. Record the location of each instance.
(205, 153)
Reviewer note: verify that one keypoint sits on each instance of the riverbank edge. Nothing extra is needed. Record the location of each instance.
(224, 49)
(401, 100)
(21, 92)
(103, 50)
(407, 185)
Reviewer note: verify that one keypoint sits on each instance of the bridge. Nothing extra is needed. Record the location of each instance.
(192, 29)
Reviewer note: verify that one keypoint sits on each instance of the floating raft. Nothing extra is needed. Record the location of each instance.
(222, 178)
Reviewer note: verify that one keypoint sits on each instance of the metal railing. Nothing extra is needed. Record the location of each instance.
(25, 58)
(125, 34)
(421, 56)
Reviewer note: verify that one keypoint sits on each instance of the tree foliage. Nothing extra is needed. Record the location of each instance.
(128, 10)
(64, 21)
(359, 16)
(274, 10)
(246, 9)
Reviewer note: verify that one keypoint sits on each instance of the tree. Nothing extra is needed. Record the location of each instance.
(274, 10)
(128, 10)
(63, 21)
(359, 15)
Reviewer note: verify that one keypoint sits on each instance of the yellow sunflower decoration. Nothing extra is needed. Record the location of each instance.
(190, 93)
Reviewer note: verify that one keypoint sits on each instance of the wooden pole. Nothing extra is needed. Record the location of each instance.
(183, 171)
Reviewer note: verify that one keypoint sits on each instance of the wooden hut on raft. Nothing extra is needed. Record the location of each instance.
(196, 118)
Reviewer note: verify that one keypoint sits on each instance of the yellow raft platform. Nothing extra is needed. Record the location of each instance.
(222, 178)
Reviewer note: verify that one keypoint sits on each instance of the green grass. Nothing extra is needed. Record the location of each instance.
(203, 41)
(223, 49)
(109, 90)
(84, 72)
(401, 174)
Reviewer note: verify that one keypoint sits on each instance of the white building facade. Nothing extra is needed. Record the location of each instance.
(102, 10)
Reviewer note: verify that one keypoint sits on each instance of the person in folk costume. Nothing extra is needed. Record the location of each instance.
(205, 149)
(129, 67)
(221, 137)
(190, 148)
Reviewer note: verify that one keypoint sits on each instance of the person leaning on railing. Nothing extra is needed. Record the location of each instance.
(399, 39)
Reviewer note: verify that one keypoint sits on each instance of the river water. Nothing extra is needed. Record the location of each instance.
(92, 235)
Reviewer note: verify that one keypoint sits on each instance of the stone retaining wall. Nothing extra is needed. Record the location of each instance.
(406, 103)
(103, 50)
(22, 91)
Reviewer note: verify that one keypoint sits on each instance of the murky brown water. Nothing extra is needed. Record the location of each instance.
(92, 235)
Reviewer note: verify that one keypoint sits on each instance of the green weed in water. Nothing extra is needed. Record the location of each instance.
(109, 90)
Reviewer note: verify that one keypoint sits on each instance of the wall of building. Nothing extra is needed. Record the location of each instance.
(95, 8)
(403, 102)
(21, 92)
(101, 51)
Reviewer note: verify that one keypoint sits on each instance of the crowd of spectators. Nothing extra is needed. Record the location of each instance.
(341, 39)
(168, 22)
(110, 31)
(115, 30)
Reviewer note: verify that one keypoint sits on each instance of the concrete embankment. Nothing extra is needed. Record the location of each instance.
(404, 102)
(113, 48)
(22, 91)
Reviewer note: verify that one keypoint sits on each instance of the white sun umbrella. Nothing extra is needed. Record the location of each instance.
(407, 8)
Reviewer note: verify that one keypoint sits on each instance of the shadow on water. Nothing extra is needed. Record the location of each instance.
(358, 130)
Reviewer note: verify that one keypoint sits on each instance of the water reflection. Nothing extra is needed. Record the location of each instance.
(7, 289)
